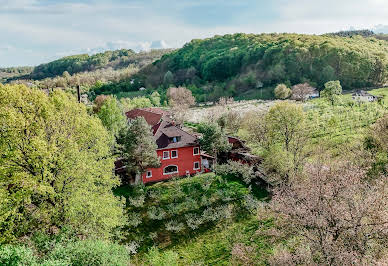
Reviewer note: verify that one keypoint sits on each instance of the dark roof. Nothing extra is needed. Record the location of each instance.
(166, 131)
(164, 128)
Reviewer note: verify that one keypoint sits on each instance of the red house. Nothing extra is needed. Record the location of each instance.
(179, 151)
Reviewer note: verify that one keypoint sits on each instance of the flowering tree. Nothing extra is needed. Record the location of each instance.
(336, 214)
(300, 92)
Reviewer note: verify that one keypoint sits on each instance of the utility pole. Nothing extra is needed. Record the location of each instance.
(79, 93)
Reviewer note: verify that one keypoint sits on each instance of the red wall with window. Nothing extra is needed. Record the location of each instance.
(184, 162)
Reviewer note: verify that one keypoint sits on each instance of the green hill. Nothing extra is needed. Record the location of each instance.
(276, 58)
(239, 64)
(84, 62)
(74, 64)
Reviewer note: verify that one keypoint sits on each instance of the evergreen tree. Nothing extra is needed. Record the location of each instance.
(137, 147)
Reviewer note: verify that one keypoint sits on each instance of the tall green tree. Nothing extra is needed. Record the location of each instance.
(55, 166)
(284, 140)
(112, 115)
(332, 91)
(137, 147)
(213, 139)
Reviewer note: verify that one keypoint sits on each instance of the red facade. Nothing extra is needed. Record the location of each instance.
(179, 151)
(186, 160)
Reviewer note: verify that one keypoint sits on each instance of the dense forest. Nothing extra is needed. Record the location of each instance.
(276, 58)
(80, 63)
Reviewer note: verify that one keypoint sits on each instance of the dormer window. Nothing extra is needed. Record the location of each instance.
(175, 139)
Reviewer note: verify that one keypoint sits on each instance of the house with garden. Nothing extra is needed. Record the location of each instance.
(178, 150)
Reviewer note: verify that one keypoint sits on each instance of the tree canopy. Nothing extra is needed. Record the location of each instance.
(241, 60)
(55, 166)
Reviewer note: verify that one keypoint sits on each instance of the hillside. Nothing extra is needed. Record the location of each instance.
(76, 64)
(80, 63)
(244, 60)
(248, 64)
(363, 33)
(14, 72)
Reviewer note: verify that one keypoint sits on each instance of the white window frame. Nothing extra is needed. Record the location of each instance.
(166, 158)
(176, 154)
(177, 170)
(199, 166)
(194, 151)
(148, 176)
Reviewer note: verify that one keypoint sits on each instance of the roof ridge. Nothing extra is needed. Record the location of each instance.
(150, 109)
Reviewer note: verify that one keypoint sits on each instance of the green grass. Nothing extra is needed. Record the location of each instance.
(381, 92)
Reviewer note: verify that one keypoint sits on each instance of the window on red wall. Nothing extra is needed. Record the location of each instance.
(166, 155)
(196, 165)
(196, 151)
(149, 174)
(171, 169)
(174, 154)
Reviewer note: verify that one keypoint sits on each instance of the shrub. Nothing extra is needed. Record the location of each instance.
(156, 258)
(91, 252)
(282, 91)
(16, 255)
(237, 170)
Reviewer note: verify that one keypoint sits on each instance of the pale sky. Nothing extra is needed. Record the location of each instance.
(37, 31)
